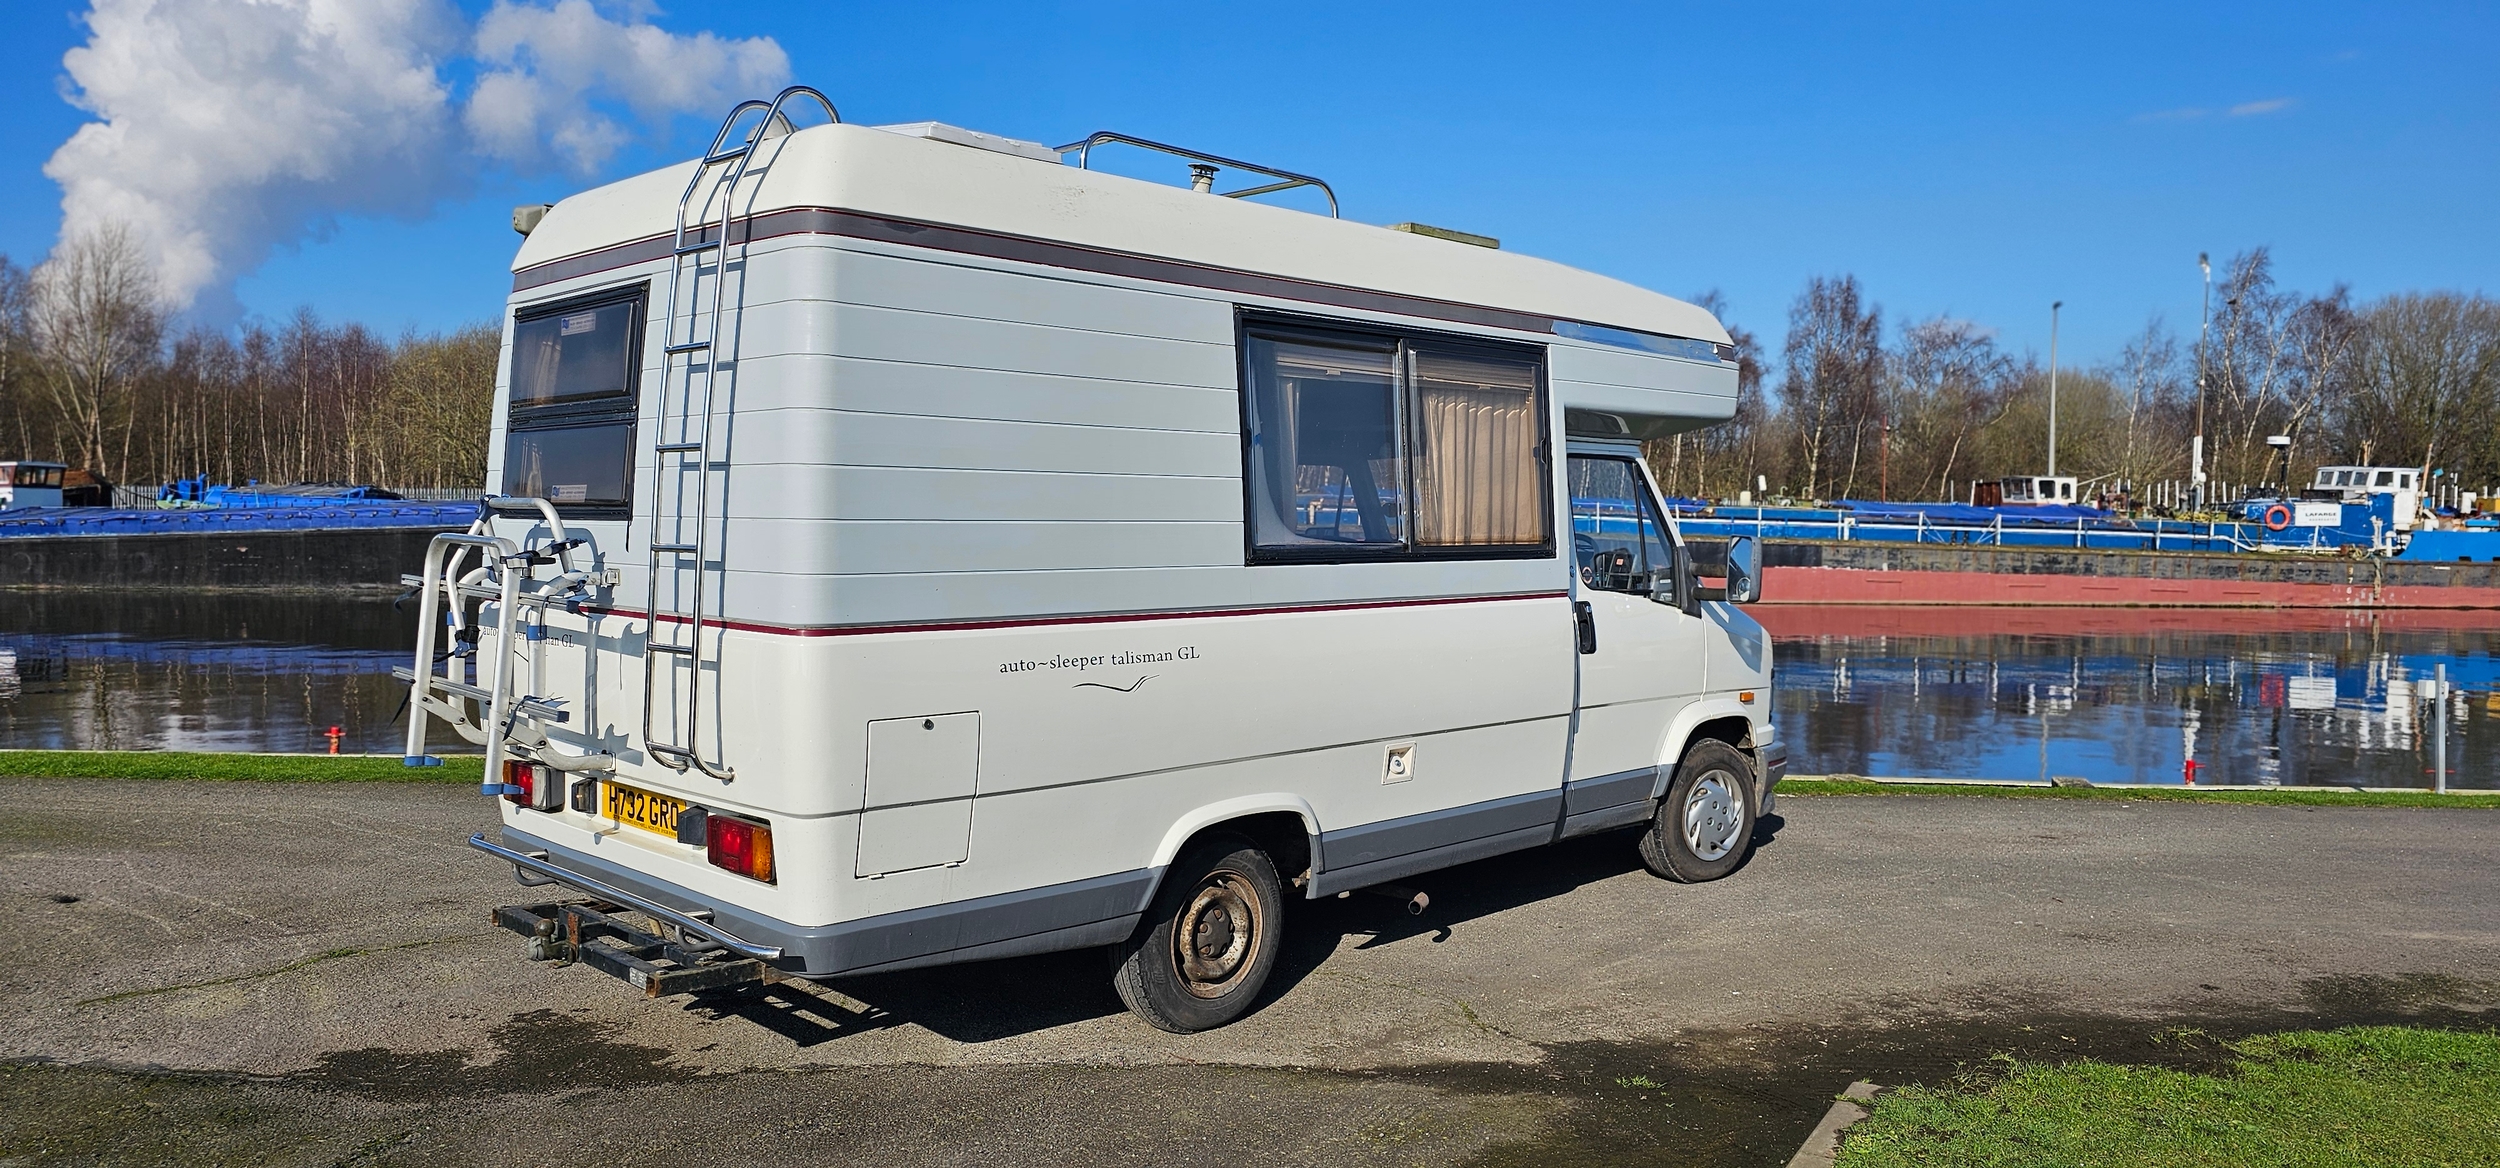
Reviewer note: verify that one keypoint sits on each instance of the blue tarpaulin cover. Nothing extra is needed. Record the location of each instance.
(308, 515)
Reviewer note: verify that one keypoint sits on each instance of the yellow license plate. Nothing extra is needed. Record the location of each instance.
(653, 813)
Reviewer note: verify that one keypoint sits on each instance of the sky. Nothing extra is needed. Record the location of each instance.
(1975, 161)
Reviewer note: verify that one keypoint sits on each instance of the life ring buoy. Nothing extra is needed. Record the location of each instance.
(2278, 517)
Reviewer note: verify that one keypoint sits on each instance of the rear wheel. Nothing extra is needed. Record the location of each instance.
(1203, 953)
(1704, 825)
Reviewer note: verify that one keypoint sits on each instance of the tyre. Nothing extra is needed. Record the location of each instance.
(1704, 825)
(1204, 951)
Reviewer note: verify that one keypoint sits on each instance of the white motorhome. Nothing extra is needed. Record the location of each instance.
(977, 554)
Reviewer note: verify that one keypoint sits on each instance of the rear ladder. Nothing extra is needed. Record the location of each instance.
(682, 437)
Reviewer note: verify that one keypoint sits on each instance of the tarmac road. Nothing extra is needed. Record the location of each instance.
(270, 973)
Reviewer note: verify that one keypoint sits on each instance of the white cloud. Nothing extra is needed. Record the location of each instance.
(226, 128)
(548, 64)
(2244, 109)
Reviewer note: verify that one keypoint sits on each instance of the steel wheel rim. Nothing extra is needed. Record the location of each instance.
(1216, 933)
(1713, 815)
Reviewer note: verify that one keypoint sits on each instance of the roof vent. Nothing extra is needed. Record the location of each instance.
(1446, 233)
(527, 216)
(941, 132)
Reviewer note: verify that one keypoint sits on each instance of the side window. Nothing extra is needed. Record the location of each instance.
(1618, 541)
(1363, 445)
(576, 367)
(1326, 465)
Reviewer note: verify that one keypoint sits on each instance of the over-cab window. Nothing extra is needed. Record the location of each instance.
(575, 368)
(1378, 445)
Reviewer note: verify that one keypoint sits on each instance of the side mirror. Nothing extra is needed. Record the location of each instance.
(1744, 570)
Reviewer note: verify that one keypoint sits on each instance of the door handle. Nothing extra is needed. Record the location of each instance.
(1586, 618)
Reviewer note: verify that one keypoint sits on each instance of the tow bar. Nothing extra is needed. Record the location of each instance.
(590, 934)
(703, 957)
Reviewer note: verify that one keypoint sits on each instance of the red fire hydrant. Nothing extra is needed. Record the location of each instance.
(2187, 771)
(334, 734)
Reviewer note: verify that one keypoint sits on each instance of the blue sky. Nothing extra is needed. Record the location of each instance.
(1975, 161)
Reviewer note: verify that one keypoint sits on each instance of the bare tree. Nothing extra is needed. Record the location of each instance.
(2426, 384)
(1945, 383)
(17, 359)
(1720, 459)
(2149, 373)
(99, 322)
(1834, 368)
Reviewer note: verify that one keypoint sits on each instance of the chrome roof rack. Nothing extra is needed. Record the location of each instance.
(1203, 174)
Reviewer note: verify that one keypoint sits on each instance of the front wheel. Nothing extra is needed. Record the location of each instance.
(1704, 825)
(1203, 952)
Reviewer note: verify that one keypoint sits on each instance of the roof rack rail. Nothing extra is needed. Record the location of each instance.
(1203, 175)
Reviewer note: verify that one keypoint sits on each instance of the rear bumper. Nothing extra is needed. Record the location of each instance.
(1075, 915)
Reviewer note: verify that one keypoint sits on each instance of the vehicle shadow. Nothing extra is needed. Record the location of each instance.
(989, 1000)
(1461, 895)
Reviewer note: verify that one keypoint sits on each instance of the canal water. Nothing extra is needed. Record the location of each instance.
(202, 671)
(2276, 697)
(2112, 695)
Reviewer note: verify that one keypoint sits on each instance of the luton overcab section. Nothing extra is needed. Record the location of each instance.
(906, 545)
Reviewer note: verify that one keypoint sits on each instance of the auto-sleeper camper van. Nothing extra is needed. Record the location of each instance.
(909, 545)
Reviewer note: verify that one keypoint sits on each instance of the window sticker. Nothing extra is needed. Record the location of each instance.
(579, 322)
(569, 493)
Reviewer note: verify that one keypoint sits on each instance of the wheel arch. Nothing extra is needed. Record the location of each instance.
(1723, 719)
(1283, 825)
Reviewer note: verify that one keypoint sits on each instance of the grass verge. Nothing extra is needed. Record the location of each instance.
(267, 768)
(2367, 1095)
(1789, 787)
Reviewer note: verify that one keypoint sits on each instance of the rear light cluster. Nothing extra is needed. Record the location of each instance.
(534, 785)
(743, 846)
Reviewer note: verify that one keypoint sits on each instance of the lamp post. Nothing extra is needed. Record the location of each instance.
(2054, 305)
(2196, 446)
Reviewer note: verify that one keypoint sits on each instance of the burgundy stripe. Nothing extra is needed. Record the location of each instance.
(965, 241)
(1036, 622)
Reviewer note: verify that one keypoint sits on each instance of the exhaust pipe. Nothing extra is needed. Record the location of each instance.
(1416, 902)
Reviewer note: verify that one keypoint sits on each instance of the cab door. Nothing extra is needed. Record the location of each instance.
(1641, 653)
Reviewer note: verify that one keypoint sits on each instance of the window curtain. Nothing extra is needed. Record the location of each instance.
(1477, 477)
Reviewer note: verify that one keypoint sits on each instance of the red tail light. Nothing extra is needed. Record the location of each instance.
(536, 785)
(742, 846)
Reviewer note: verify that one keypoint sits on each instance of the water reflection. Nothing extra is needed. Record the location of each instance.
(2129, 695)
(171, 671)
(2115, 695)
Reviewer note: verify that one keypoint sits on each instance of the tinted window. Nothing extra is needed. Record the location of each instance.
(1368, 445)
(575, 369)
(590, 465)
(572, 354)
